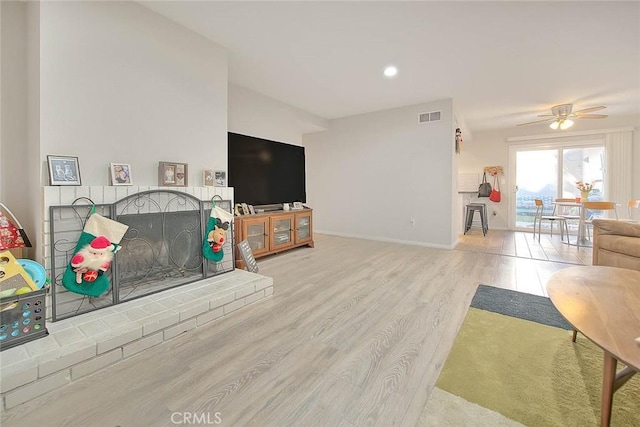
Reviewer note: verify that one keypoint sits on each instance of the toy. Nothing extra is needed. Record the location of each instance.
(13, 275)
(216, 233)
(11, 233)
(217, 236)
(93, 259)
(35, 270)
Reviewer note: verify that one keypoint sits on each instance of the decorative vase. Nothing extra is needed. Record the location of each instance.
(585, 196)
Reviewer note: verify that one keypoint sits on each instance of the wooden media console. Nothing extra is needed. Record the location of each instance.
(272, 232)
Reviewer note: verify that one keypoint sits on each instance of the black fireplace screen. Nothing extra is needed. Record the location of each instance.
(161, 249)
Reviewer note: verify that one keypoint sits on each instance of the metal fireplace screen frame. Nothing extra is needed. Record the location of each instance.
(162, 248)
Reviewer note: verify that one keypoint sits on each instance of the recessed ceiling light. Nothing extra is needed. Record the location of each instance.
(390, 71)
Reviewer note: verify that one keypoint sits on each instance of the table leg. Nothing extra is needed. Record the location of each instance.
(623, 376)
(608, 381)
(582, 229)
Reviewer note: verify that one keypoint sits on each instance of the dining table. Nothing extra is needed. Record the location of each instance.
(603, 303)
(581, 239)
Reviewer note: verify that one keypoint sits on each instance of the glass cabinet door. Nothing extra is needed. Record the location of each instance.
(281, 231)
(257, 236)
(303, 227)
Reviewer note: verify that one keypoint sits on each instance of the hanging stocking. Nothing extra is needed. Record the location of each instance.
(94, 252)
(216, 234)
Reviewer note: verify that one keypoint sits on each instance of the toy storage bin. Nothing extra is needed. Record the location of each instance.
(22, 318)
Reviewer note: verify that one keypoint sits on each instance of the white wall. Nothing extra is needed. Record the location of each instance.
(106, 82)
(254, 114)
(32, 170)
(1, 53)
(19, 154)
(491, 148)
(13, 83)
(120, 83)
(635, 188)
(487, 149)
(368, 175)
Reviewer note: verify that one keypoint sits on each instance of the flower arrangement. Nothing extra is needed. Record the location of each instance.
(584, 187)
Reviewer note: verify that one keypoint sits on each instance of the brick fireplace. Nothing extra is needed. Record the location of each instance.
(161, 249)
(85, 343)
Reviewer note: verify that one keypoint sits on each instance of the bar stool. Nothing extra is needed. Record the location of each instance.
(470, 211)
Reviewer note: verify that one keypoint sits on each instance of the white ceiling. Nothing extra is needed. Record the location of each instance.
(501, 62)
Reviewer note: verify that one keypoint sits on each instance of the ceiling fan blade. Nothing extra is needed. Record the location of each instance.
(537, 121)
(592, 116)
(590, 110)
(546, 115)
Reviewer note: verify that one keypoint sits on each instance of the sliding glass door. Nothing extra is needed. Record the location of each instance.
(536, 178)
(549, 172)
(584, 164)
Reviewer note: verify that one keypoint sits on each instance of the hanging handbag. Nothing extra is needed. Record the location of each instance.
(484, 190)
(495, 193)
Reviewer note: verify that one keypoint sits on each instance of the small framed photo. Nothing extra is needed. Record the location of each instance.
(297, 205)
(220, 178)
(252, 211)
(120, 174)
(207, 177)
(63, 170)
(172, 174)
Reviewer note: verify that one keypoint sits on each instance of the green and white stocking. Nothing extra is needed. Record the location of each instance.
(216, 234)
(92, 256)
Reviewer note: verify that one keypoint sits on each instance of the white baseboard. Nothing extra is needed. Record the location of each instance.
(381, 239)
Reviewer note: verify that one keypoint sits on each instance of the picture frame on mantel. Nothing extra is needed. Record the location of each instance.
(220, 178)
(173, 174)
(120, 174)
(63, 170)
(207, 177)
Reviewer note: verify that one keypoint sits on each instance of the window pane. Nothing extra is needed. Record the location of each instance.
(586, 165)
(537, 178)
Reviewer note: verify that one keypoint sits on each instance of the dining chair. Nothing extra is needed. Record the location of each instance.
(540, 216)
(633, 209)
(594, 210)
(570, 214)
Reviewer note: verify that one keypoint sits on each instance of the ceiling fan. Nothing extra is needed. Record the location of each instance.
(562, 116)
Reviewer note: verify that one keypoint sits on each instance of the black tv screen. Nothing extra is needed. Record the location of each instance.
(264, 172)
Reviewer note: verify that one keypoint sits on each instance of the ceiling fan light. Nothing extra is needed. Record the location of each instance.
(390, 72)
(554, 125)
(566, 124)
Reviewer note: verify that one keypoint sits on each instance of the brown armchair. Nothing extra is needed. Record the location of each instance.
(616, 243)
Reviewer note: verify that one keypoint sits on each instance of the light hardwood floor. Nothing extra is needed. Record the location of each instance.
(355, 334)
(523, 245)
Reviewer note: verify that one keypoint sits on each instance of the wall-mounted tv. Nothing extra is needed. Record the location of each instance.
(264, 172)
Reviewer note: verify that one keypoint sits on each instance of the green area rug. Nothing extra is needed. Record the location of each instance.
(528, 371)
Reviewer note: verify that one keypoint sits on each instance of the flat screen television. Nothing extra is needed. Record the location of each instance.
(264, 172)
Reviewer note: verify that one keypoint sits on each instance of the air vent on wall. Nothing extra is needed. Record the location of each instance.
(433, 116)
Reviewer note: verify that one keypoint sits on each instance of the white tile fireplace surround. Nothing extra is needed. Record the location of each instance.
(84, 344)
